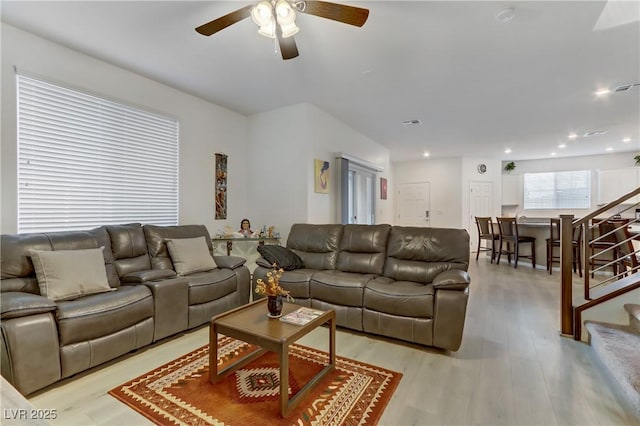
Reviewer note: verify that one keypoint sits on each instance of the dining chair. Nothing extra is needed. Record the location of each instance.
(485, 232)
(511, 239)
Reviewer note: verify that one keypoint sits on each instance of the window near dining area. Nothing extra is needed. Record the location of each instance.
(85, 161)
(557, 190)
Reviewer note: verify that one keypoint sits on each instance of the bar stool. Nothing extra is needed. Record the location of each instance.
(485, 232)
(554, 242)
(603, 244)
(508, 227)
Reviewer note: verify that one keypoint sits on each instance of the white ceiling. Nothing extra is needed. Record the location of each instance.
(477, 84)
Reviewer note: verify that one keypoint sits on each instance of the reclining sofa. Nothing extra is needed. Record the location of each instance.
(401, 282)
(151, 292)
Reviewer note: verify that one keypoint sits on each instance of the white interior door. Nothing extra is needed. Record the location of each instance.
(481, 202)
(361, 196)
(413, 204)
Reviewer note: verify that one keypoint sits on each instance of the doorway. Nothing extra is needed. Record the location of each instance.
(480, 204)
(413, 204)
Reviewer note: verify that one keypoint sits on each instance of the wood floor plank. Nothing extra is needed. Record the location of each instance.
(513, 367)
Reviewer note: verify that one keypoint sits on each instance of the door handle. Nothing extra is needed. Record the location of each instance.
(426, 214)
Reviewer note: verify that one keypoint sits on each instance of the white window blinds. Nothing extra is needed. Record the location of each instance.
(84, 161)
(558, 190)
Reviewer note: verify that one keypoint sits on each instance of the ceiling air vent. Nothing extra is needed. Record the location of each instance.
(411, 122)
(595, 133)
(625, 87)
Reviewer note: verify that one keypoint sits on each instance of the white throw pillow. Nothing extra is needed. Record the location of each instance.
(190, 255)
(69, 274)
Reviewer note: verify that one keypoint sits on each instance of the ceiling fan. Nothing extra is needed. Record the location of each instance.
(276, 19)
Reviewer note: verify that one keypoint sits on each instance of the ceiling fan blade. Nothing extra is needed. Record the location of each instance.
(338, 12)
(288, 47)
(224, 21)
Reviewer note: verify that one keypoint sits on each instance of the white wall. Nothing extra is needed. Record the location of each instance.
(445, 178)
(283, 144)
(592, 162)
(328, 136)
(205, 128)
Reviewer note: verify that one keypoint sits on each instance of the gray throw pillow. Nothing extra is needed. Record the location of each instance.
(69, 274)
(281, 256)
(190, 255)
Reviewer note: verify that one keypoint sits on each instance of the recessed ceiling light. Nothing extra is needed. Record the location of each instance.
(426, 154)
(505, 15)
(602, 92)
(507, 151)
(626, 140)
(562, 145)
(553, 153)
(573, 135)
(609, 149)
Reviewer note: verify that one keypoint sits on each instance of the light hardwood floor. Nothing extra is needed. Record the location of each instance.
(513, 367)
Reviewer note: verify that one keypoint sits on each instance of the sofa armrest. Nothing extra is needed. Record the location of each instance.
(261, 261)
(453, 279)
(171, 306)
(17, 304)
(145, 276)
(229, 262)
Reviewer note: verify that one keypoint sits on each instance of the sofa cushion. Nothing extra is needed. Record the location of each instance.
(68, 274)
(156, 237)
(363, 249)
(190, 255)
(281, 256)
(99, 315)
(211, 285)
(317, 245)
(129, 248)
(402, 298)
(296, 281)
(420, 254)
(342, 288)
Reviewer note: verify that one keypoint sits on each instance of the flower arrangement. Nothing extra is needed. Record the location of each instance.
(272, 286)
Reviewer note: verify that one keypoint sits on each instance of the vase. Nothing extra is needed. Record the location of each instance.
(274, 305)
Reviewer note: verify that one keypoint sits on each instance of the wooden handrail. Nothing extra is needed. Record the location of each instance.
(570, 317)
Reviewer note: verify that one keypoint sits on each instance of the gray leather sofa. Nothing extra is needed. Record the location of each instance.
(44, 341)
(401, 282)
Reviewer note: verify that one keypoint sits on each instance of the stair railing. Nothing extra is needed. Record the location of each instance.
(599, 286)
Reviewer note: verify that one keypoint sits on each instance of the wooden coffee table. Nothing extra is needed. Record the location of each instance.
(250, 324)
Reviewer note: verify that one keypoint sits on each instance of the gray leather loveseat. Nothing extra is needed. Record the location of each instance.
(402, 282)
(147, 296)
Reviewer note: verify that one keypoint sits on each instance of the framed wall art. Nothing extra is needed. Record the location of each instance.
(383, 188)
(221, 186)
(321, 176)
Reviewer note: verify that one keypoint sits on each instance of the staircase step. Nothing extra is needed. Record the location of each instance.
(634, 315)
(618, 348)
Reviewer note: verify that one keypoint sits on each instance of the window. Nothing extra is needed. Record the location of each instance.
(84, 161)
(557, 190)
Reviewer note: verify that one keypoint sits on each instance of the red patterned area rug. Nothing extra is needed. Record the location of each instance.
(179, 392)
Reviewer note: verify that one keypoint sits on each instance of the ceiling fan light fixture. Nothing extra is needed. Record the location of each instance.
(262, 14)
(289, 30)
(285, 13)
(268, 30)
